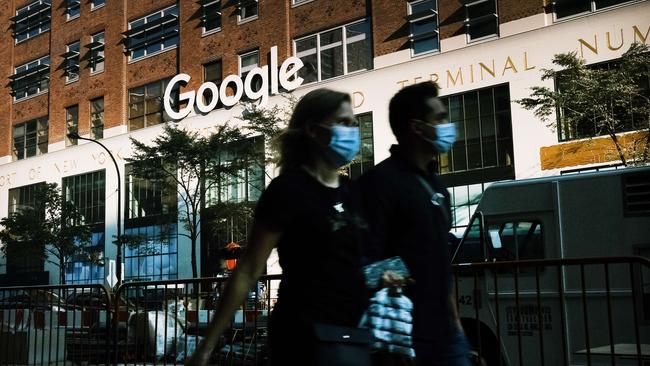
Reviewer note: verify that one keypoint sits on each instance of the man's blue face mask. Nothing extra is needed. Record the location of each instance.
(445, 136)
(345, 143)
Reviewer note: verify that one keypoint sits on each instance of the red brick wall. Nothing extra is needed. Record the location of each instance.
(510, 10)
(322, 14)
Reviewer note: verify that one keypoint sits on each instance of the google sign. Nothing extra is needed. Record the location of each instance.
(286, 77)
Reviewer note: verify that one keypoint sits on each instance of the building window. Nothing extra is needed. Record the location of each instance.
(30, 138)
(296, 2)
(71, 66)
(335, 52)
(94, 4)
(97, 118)
(568, 8)
(247, 184)
(96, 53)
(24, 197)
(366, 157)
(87, 192)
(423, 23)
(151, 217)
(247, 62)
(484, 136)
(72, 9)
(482, 19)
(146, 105)
(152, 34)
(211, 16)
(483, 151)
(32, 20)
(588, 127)
(31, 78)
(248, 10)
(71, 123)
(212, 72)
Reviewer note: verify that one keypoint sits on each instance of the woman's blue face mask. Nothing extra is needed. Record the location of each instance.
(344, 143)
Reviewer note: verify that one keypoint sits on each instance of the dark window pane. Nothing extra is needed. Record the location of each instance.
(483, 29)
(425, 45)
(605, 3)
(331, 54)
(358, 46)
(566, 8)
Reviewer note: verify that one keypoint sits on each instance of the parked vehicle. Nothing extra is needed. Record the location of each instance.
(582, 312)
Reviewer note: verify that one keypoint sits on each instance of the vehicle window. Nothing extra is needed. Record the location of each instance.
(470, 249)
(519, 240)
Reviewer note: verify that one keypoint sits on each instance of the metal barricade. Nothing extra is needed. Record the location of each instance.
(59, 324)
(593, 311)
(588, 311)
(161, 322)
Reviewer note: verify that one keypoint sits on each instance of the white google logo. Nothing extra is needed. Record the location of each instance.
(286, 77)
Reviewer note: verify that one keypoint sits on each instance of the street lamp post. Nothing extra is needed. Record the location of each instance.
(75, 135)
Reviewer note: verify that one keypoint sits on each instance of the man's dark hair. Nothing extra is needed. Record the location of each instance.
(410, 103)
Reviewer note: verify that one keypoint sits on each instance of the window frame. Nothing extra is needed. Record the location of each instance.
(17, 17)
(71, 123)
(412, 18)
(163, 84)
(96, 53)
(72, 4)
(480, 20)
(295, 3)
(43, 74)
(69, 59)
(40, 137)
(592, 9)
(204, 16)
(240, 58)
(344, 44)
(93, 114)
(241, 6)
(144, 30)
(94, 7)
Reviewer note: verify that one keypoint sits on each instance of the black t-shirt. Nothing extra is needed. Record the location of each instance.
(319, 250)
(403, 222)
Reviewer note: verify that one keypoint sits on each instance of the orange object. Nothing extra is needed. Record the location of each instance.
(231, 264)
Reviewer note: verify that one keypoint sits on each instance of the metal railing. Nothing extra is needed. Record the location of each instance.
(593, 311)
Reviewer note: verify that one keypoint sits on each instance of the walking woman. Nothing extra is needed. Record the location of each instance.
(308, 214)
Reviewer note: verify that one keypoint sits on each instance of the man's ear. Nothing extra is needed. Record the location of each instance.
(414, 128)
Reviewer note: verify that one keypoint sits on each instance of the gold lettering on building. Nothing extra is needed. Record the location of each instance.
(434, 77)
(584, 43)
(509, 65)
(609, 41)
(459, 76)
(642, 37)
(485, 68)
(471, 73)
(358, 99)
(416, 79)
(401, 83)
(526, 66)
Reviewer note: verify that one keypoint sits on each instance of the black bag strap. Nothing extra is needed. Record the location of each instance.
(437, 199)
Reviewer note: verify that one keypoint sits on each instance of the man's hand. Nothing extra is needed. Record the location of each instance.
(391, 279)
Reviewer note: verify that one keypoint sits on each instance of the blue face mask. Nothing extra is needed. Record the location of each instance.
(344, 143)
(445, 137)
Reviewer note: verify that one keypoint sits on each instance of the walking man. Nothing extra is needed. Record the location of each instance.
(408, 213)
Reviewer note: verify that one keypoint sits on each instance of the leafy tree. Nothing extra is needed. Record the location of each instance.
(53, 230)
(599, 100)
(191, 163)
